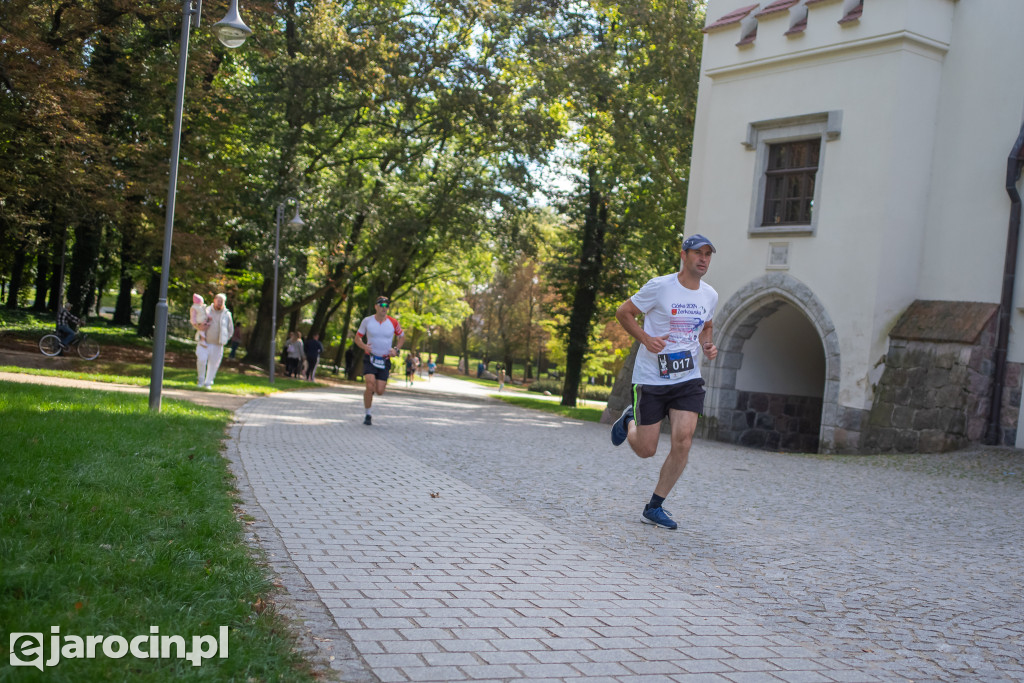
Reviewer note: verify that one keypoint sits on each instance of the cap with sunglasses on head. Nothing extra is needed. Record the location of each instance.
(383, 301)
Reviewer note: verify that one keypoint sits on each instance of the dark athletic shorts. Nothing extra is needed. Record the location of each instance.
(651, 402)
(369, 368)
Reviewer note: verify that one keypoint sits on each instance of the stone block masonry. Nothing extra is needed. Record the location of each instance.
(935, 392)
(774, 422)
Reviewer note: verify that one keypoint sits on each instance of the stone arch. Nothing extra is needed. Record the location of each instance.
(735, 323)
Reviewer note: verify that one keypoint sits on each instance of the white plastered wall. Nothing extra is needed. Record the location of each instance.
(784, 356)
(884, 76)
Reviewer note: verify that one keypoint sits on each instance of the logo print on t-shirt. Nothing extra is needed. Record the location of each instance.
(686, 328)
(686, 322)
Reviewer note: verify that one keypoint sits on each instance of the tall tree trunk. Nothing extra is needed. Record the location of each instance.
(57, 277)
(622, 389)
(84, 262)
(56, 287)
(42, 279)
(102, 280)
(123, 307)
(258, 348)
(464, 329)
(104, 272)
(584, 303)
(527, 371)
(17, 274)
(324, 307)
(345, 298)
(147, 314)
(346, 360)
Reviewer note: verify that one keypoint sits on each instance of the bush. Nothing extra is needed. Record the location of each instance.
(552, 385)
(595, 392)
(589, 392)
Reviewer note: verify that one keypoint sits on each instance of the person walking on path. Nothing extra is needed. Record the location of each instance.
(313, 349)
(410, 368)
(678, 309)
(236, 339)
(218, 328)
(376, 337)
(294, 352)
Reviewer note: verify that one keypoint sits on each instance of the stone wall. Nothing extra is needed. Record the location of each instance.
(772, 422)
(845, 435)
(935, 392)
(922, 401)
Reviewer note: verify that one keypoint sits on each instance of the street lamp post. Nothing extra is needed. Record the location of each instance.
(232, 32)
(295, 222)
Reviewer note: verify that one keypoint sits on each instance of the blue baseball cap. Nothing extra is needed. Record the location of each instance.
(696, 241)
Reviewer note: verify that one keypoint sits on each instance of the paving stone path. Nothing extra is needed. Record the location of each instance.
(462, 539)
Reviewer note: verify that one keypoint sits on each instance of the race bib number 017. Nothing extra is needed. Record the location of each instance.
(671, 365)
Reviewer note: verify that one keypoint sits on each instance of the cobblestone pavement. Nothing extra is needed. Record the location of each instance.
(460, 538)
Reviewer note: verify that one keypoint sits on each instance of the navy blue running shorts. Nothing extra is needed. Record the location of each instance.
(370, 368)
(651, 402)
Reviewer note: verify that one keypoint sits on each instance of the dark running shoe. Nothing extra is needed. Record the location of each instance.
(368, 420)
(620, 429)
(659, 517)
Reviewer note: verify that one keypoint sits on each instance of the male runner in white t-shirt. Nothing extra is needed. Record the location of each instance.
(375, 336)
(677, 310)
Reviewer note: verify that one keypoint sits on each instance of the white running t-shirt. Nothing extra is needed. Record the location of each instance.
(380, 335)
(669, 308)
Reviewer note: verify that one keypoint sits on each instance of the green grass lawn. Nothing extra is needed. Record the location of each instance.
(231, 378)
(116, 521)
(228, 381)
(489, 383)
(578, 413)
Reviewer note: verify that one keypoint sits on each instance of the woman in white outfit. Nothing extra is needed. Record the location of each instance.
(219, 328)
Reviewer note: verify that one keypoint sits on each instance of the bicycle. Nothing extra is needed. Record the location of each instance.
(88, 348)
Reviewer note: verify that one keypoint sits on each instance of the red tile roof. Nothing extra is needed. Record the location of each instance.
(733, 17)
(777, 6)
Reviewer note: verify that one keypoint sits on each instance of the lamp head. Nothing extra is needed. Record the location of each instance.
(297, 221)
(231, 30)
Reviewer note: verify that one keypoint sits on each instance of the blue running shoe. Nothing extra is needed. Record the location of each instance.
(659, 517)
(619, 429)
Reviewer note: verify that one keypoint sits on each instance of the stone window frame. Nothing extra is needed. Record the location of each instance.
(761, 135)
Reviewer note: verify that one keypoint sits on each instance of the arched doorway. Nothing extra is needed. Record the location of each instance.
(775, 383)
